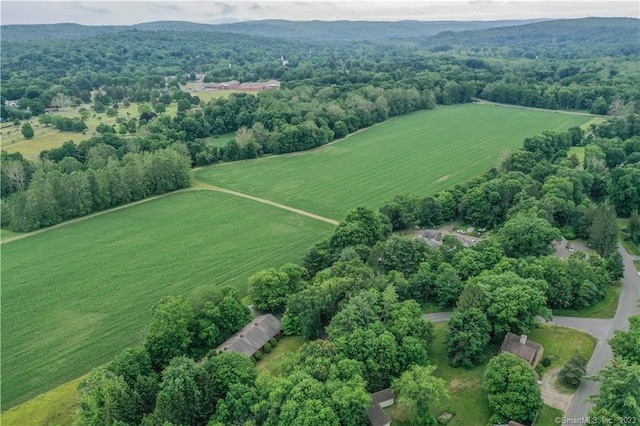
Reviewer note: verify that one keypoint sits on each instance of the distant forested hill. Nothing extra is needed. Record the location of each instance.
(299, 30)
(589, 37)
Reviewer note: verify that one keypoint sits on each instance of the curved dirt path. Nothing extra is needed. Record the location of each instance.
(269, 202)
(202, 187)
(550, 394)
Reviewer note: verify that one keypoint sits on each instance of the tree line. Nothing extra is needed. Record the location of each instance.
(60, 191)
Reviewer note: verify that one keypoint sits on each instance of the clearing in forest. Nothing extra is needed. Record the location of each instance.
(405, 155)
(74, 297)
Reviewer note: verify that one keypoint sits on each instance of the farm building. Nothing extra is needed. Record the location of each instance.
(255, 86)
(227, 85)
(521, 346)
(380, 400)
(253, 336)
(247, 86)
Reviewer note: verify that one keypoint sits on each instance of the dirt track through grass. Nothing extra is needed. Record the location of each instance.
(405, 155)
(73, 297)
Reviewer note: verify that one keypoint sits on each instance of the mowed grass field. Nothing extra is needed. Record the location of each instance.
(419, 153)
(74, 297)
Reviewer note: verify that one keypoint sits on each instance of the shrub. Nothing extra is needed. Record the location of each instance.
(273, 342)
(266, 348)
(545, 361)
(573, 371)
(257, 356)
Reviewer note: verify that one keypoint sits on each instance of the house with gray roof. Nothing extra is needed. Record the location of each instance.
(522, 347)
(380, 400)
(253, 336)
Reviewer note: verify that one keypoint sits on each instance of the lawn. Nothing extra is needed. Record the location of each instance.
(578, 151)
(419, 153)
(468, 400)
(606, 308)
(45, 138)
(272, 362)
(55, 407)
(548, 416)
(219, 141)
(637, 264)
(73, 297)
(560, 344)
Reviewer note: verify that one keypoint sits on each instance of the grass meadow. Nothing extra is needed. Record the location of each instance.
(73, 297)
(419, 153)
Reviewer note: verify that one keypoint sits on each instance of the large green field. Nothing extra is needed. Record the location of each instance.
(75, 296)
(419, 153)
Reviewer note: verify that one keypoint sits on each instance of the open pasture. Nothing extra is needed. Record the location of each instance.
(419, 154)
(74, 297)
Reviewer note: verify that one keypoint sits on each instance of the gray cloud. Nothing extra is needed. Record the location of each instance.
(168, 6)
(91, 9)
(226, 8)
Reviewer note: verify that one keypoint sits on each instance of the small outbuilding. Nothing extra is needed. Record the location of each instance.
(253, 336)
(522, 347)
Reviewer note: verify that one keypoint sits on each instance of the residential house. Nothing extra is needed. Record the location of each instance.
(253, 336)
(521, 346)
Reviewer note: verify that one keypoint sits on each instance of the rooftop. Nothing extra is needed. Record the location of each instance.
(253, 336)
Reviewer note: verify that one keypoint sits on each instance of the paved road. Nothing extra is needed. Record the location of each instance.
(602, 356)
(602, 329)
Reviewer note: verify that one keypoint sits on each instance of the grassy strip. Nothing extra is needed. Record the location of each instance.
(272, 362)
(637, 264)
(606, 308)
(56, 407)
(419, 153)
(630, 247)
(548, 416)
(73, 297)
(6, 234)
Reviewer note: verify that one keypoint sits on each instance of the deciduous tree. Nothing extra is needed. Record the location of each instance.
(419, 390)
(511, 388)
(170, 330)
(626, 344)
(467, 337)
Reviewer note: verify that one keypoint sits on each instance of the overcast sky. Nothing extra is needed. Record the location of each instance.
(94, 12)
